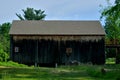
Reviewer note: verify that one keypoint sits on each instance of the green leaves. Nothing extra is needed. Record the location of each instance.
(112, 20)
(117, 1)
(111, 16)
(4, 30)
(32, 14)
(4, 41)
(3, 55)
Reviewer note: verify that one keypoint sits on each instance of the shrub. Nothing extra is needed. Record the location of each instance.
(3, 55)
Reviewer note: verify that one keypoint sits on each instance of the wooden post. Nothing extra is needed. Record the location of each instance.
(117, 52)
(117, 55)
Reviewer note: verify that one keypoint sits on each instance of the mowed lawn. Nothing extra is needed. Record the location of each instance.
(81, 72)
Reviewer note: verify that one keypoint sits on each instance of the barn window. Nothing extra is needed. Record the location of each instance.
(16, 49)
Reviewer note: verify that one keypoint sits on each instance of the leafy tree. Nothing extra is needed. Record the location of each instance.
(4, 40)
(112, 21)
(4, 30)
(32, 14)
(111, 14)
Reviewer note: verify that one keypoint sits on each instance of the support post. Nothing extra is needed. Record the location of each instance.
(117, 56)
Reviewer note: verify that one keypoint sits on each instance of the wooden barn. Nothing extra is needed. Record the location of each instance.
(50, 42)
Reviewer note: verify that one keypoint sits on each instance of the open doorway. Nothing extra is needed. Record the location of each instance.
(112, 54)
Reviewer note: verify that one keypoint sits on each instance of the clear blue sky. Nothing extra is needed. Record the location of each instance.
(55, 9)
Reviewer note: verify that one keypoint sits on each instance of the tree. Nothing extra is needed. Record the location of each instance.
(111, 14)
(32, 14)
(4, 37)
(4, 41)
(4, 30)
(112, 21)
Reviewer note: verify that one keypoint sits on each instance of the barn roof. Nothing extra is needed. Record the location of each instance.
(56, 27)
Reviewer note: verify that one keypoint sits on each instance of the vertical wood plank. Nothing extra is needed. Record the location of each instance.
(36, 54)
(11, 48)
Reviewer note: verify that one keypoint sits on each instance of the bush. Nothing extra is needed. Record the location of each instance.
(3, 55)
(110, 53)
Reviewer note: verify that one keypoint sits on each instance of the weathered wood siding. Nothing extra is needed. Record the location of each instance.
(48, 51)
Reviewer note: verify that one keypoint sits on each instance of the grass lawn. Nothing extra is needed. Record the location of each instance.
(81, 72)
(110, 61)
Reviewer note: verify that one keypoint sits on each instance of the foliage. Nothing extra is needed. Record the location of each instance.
(4, 30)
(111, 15)
(110, 52)
(112, 20)
(3, 55)
(32, 14)
(4, 41)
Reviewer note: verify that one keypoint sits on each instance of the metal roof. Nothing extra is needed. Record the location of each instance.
(56, 27)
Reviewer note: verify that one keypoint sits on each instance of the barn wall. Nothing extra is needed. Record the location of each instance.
(53, 51)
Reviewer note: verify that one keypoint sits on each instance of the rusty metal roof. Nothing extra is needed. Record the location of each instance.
(56, 27)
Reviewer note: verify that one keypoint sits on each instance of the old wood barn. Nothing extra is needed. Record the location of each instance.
(50, 42)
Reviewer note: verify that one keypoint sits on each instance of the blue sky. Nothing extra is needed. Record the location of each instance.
(54, 9)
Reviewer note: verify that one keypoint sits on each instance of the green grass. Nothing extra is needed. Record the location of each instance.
(11, 64)
(110, 61)
(14, 71)
(81, 72)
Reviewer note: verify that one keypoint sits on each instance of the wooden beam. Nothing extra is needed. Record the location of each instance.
(112, 46)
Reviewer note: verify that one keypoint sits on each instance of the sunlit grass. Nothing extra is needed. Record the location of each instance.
(11, 64)
(110, 61)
